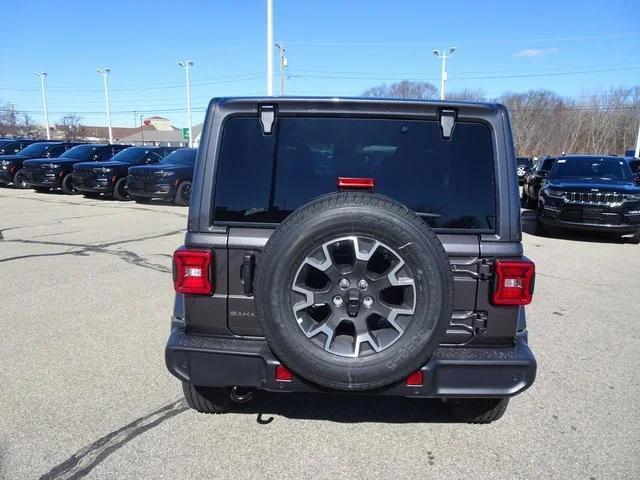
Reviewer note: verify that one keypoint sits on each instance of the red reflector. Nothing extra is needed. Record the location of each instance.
(513, 282)
(350, 182)
(415, 379)
(192, 272)
(283, 374)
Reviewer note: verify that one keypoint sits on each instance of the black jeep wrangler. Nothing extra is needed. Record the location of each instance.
(354, 245)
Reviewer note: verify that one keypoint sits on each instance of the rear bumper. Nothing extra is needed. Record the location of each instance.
(452, 372)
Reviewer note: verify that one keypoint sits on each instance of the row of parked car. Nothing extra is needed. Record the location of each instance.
(122, 172)
(583, 192)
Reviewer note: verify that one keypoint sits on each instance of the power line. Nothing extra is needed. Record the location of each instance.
(428, 44)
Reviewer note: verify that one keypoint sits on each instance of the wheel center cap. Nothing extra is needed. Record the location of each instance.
(353, 302)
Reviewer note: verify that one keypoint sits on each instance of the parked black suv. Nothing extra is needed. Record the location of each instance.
(594, 193)
(524, 165)
(169, 179)
(353, 245)
(533, 181)
(11, 165)
(45, 174)
(110, 177)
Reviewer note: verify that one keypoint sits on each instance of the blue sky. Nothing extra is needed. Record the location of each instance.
(334, 48)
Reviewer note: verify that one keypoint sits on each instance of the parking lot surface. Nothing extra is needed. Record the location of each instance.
(86, 302)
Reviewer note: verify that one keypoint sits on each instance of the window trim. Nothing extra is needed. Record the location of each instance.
(213, 223)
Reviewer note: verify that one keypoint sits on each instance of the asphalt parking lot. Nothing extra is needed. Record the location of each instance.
(86, 299)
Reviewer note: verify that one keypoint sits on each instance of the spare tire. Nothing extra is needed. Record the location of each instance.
(353, 291)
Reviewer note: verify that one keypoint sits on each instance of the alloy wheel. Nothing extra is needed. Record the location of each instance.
(353, 296)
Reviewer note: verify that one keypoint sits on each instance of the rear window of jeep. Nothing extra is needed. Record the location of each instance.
(263, 178)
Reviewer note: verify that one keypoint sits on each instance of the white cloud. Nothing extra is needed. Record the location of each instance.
(535, 52)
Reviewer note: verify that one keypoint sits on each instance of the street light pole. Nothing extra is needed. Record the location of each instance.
(105, 77)
(270, 47)
(186, 65)
(637, 152)
(43, 77)
(443, 71)
(283, 65)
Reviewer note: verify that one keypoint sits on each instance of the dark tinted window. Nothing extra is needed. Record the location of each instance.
(10, 148)
(524, 161)
(36, 149)
(635, 166)
(449, 183)
(81, 152)
(547, 164)
(604, 168)
(184, 156)
(55, 151)
(131, 155)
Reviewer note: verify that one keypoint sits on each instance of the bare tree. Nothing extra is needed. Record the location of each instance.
(404, 89)
(17, 124)
(468, 95)
(71, 127)
(9, 120)
(544, 122)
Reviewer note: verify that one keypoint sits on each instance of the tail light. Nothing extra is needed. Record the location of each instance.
(514, 280)
(283, 374)
(358, 183)
(192, 272)
(415, 379)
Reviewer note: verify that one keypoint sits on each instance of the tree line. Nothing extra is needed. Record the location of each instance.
(545, 123)
(14, 123)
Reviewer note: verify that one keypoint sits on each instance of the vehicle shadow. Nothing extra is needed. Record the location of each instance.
(528, 220)
(345, 408)
(157, 201)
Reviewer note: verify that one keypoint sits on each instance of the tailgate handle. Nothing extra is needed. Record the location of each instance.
(248, 266)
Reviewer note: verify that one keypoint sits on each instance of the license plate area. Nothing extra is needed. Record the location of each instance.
(592, 214)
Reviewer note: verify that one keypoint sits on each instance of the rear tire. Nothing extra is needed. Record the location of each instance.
(120, 190)
(479, 410)
(183, 194)
(18, 181)
(67, 187)
(207, 399)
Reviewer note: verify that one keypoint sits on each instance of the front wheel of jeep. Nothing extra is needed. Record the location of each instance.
(479, 410)
(207, 399)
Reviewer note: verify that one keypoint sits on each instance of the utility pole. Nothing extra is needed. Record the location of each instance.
(284, 63)
(637, 152)
(270, 48)
(443, 72)
(142, 129)
(43, 78)
(105, 77)
(186, 65)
